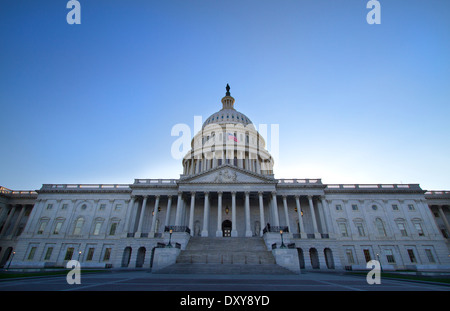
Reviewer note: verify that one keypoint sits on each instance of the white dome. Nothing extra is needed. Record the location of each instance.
(227, 116)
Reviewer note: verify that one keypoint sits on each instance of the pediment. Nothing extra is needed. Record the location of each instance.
(227, 174)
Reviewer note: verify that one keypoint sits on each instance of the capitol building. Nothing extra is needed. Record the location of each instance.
(226, 212)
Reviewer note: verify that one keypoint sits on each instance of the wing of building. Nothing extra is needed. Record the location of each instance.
(226, 208)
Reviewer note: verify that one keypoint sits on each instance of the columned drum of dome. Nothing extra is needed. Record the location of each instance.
(228, 137)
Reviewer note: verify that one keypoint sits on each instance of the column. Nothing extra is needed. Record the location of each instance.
(191, 213)
(275, 210)
(219, 232)
(233, 214)
(19, 218)
(324, 207)
(169, 207)
(8, 219)
(179, 207)
(214, 160)
(241, 160)
(141, 218)
(300, 218)
(261, 212)
(286, 213)
(34, 217)
(128, 219)
(206, 216)
(192, 168)
(321, 217)
(248, 229)
(204, 163)
(313, 215)
(155, 215)
(444, 218)
(258, 166)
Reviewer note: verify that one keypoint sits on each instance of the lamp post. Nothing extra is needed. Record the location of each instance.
(170, 238)
(282, 242)
(79, 254)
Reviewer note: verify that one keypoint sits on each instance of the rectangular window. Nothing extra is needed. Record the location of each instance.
(97, 228)
(69, 253)
(107, 254)
(49, 206)
(343, 229)
(57, 227)
(389, 256)
(367, 255)
(102, 207)
(419, 228)
(90, 254)
(360, 228)
(430, 256)
(411, 207)
(350, 258)
(78, 226)
(394, 207)
(64, 206)
(402, 229)
(411, 255)
(32, 252)
(48, 253)
(42, 227)
(118, 207)
(112, 230)
(354, 207)
(338, 207)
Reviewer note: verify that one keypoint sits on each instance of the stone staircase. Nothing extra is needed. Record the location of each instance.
(225, 256)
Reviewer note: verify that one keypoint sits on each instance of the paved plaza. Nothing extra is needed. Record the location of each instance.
(145, 281)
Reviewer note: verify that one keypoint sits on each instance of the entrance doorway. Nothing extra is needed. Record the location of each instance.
(329, 258)
(140, 257)
(314, 258)
(126, 257)
(226, 228)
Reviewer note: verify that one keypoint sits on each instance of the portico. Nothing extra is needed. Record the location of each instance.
(251, 205)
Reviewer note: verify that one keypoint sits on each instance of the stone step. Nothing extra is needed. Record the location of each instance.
(231, 244)
(226, 257)
(197, 268)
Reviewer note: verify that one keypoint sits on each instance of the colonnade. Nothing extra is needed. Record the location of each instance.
(9, 214)
(442, 215)
(185, 199)
(240, 159)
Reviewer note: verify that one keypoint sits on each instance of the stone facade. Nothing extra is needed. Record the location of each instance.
(227, 191)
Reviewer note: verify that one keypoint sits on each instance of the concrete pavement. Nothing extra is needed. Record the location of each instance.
(145, 281)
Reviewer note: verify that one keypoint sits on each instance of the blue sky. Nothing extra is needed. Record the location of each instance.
(96, 102)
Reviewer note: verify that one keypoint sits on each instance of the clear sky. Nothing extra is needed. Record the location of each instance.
(96, 102)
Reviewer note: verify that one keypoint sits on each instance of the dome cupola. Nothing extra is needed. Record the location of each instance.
(227, 114)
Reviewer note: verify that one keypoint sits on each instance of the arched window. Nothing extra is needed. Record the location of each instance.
(380, 227)
(78, 226)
